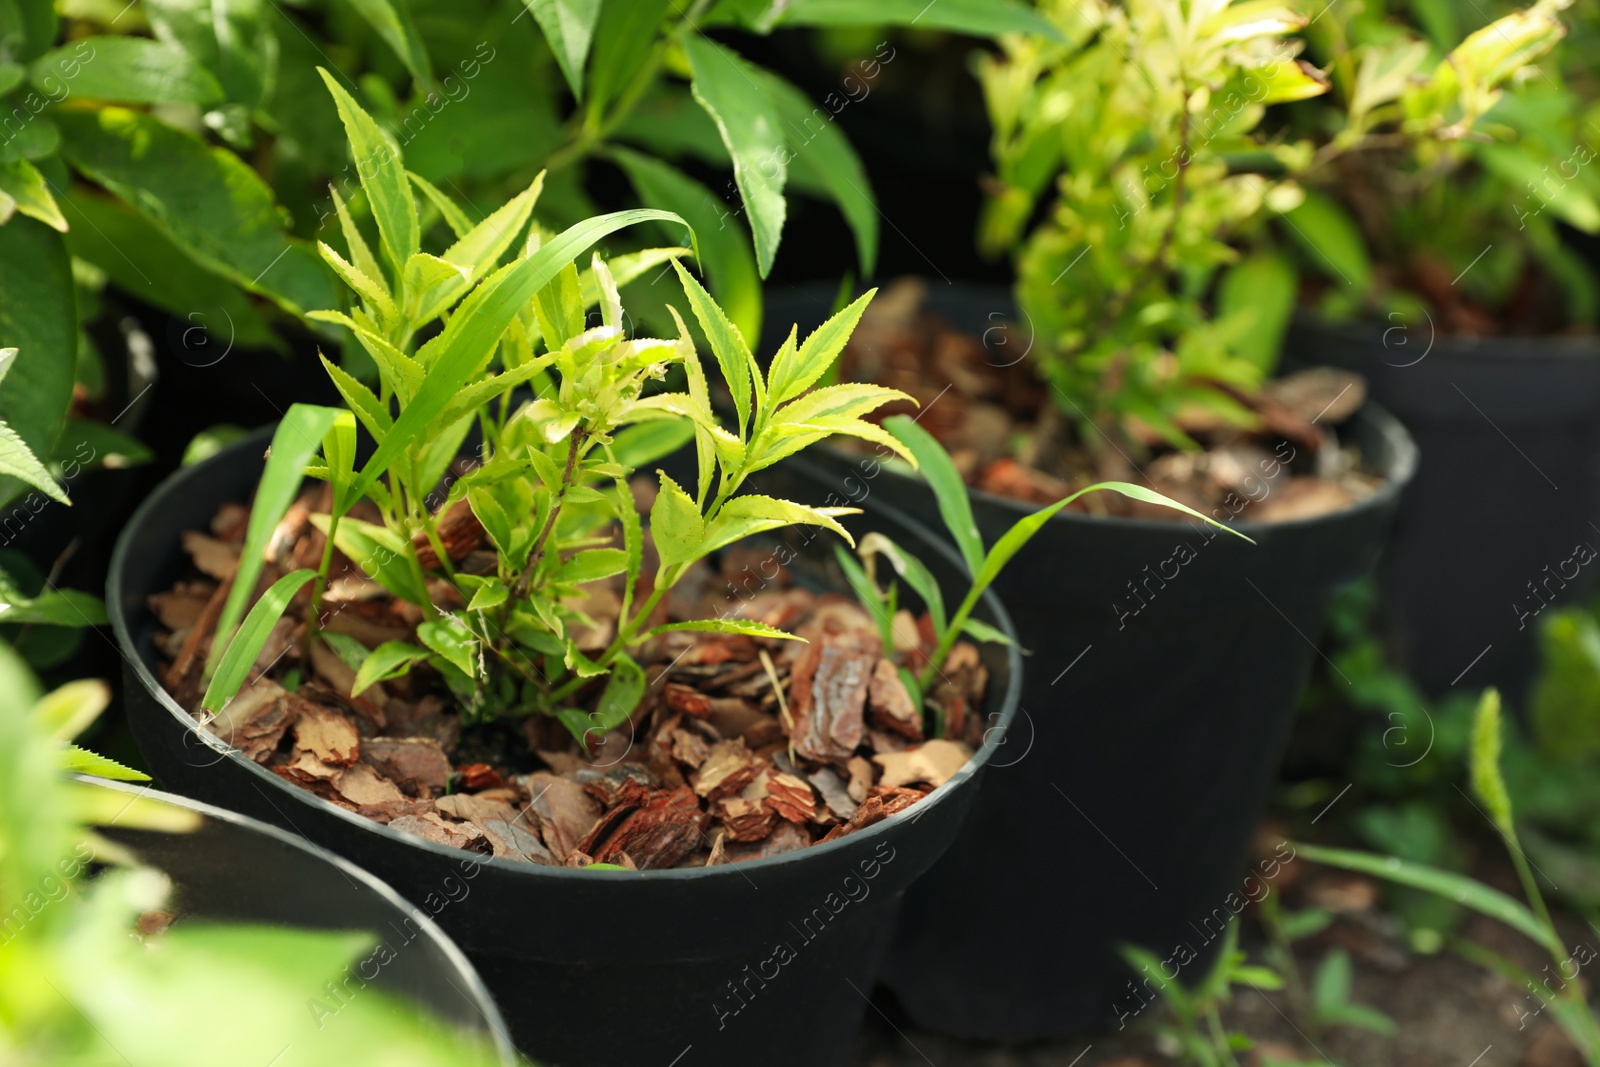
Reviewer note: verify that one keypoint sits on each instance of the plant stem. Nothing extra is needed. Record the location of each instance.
(624, 635)
(947, 640)
(313, 616)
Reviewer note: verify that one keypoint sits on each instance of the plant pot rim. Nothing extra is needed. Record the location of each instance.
(1005, 705)
(476, 991)
(1510, 346)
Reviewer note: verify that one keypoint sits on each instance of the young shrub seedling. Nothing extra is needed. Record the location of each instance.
(1564, 996)
(553, 478)
(984, 565)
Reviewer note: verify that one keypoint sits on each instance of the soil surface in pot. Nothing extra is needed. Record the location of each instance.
(1008, 436)
(741, 747)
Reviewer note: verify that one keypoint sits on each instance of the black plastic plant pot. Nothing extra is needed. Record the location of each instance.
(1502, 519)
(768, 961)
(233, 868)
(1167, 660)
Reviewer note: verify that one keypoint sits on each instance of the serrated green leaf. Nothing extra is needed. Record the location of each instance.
(469, 339)
(982, 631)
(949, 490)
(234, 665)
(370, 290)
(383, 178)
(481, 247)
(374, 415)
(17, 461)
(723, 84)
(75, 760)
(454, 217)
(753, 514)
(847, 401)
(38, 318)
(431, 285)
(794, 370)
(360, 253)
(727, 344)
(676, 524)
(727, 626)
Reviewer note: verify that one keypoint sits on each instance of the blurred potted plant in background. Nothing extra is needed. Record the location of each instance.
(1130, 160)
(1432, 255)
(102, 956)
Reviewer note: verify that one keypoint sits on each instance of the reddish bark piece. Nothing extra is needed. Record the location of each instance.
(891, 705)
(687, 699)
(430, 827)
(459, 532)
(659, 834)
(791, 798)
(230, 523)
(416, 764)
(215, 558)
(254, 722)
(327, 733)
(745, 820)
(933, 763)
(878, 806)
(828, 691)
(476, 776)
(565, 810)
(729, 768)
(712, 649)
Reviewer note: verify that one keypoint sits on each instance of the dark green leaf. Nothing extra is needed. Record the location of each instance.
(133, 70)
(980, 18)
(38, 317)
(820, 154)
(724, 84)
(728, 262)
(392, 20)
(211, 203)
(568, 26)
(381, 553)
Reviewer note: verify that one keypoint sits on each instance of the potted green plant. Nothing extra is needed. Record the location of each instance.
(581, 721)
(1134, 157)
(130, 904)
(1435, 265)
